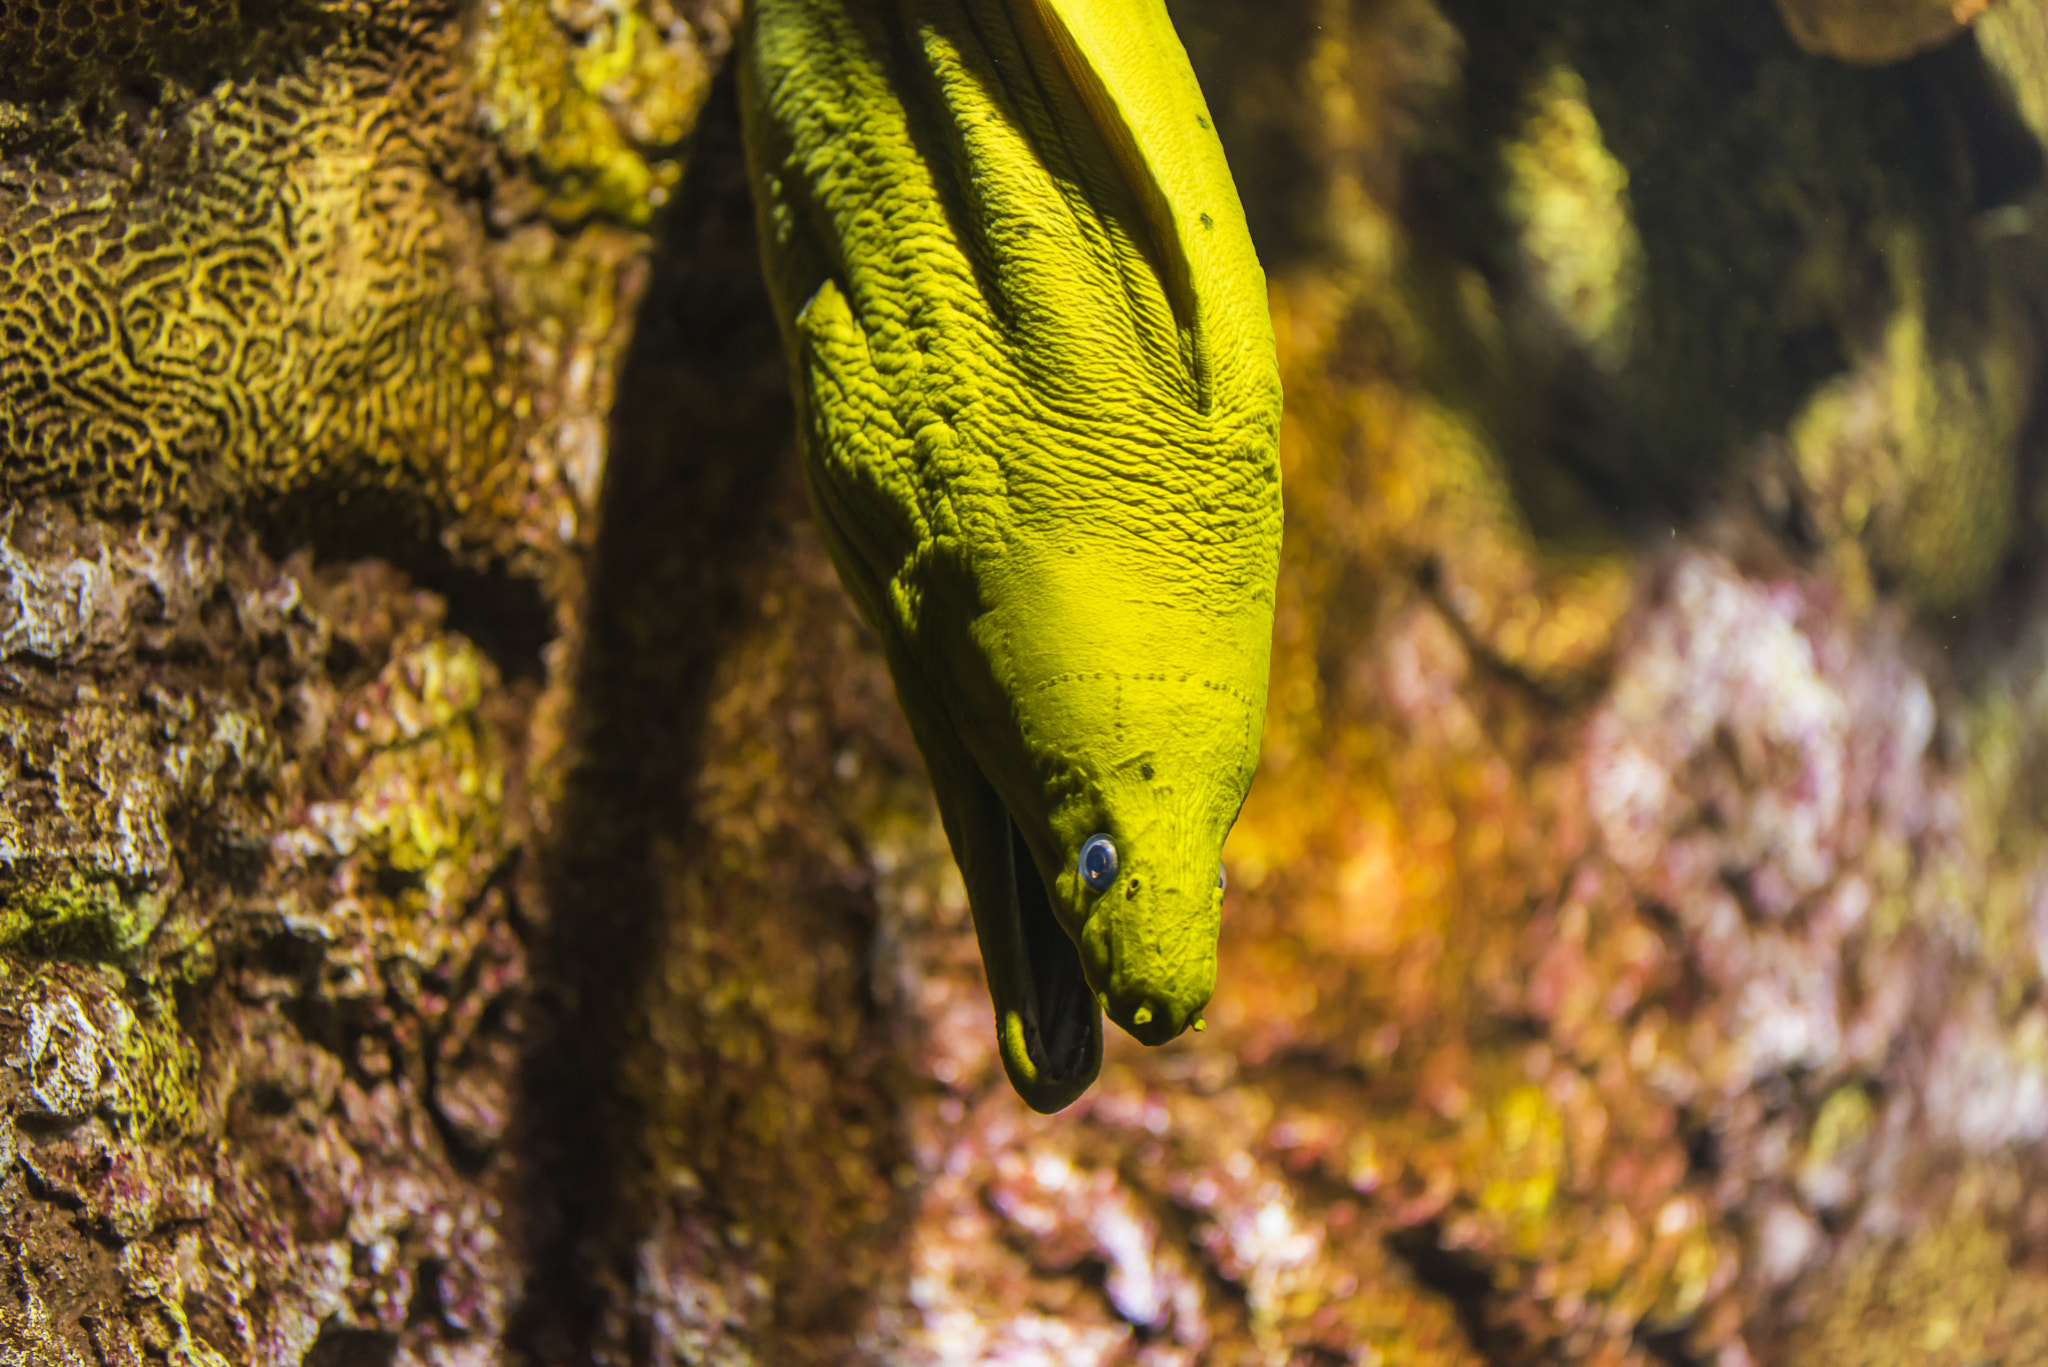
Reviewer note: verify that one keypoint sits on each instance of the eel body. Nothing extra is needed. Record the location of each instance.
(1038, 401)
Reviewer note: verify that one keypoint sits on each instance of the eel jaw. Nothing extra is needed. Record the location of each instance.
(1048, 1023)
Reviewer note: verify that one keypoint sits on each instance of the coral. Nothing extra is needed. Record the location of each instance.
(1915, 453)
(600, 98)
(264, 822)
(165, 318)
(276, 225)
(1568, 200)
(422, 821)
(100, 785)
(1950, 1296)
(87, 1053)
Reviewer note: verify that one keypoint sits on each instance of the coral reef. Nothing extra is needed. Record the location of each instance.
(467, 894)
(599, 98)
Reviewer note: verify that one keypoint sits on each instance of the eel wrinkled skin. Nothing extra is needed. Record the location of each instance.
(1038, 401)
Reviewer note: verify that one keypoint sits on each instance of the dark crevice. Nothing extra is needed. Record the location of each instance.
(1462, 1281)
(504, 613)
(425, 1307)
(1668, 1346)
(340, 1346)
(467, 1156)
(61, 1197)
(1702, 1147)
(1968, 123)
(498, 1016)
(699, 487)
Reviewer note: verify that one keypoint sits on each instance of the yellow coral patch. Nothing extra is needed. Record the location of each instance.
(598, 106)
(1568, 199)
(1913, 453)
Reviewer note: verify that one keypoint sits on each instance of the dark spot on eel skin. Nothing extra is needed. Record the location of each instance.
(1208, 222)
(1145, 772)
(1130, 888)
(1202, 119)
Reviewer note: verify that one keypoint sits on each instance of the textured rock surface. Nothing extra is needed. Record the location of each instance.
(290, 337)
(467, 895)
(257, 813)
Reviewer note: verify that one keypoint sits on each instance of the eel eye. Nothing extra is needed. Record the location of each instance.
(1098, 862)
(1219, 875)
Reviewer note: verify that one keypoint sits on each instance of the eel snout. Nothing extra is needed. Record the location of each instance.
(1153, 943)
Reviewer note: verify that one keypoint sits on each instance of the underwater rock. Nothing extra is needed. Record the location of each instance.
(226, 1142)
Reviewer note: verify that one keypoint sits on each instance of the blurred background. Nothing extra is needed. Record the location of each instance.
(467, 894)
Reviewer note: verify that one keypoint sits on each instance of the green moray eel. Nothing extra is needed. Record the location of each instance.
(1039, 408)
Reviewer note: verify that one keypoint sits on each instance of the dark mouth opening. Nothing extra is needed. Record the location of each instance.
(1061, 1020)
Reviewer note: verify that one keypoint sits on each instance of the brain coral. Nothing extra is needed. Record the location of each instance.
(269, 285)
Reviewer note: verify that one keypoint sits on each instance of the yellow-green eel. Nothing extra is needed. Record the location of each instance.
(1039, 407)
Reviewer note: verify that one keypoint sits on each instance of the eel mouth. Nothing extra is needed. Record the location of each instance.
(1058, 1022)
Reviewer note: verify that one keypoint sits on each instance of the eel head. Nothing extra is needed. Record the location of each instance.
(1094, 783)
